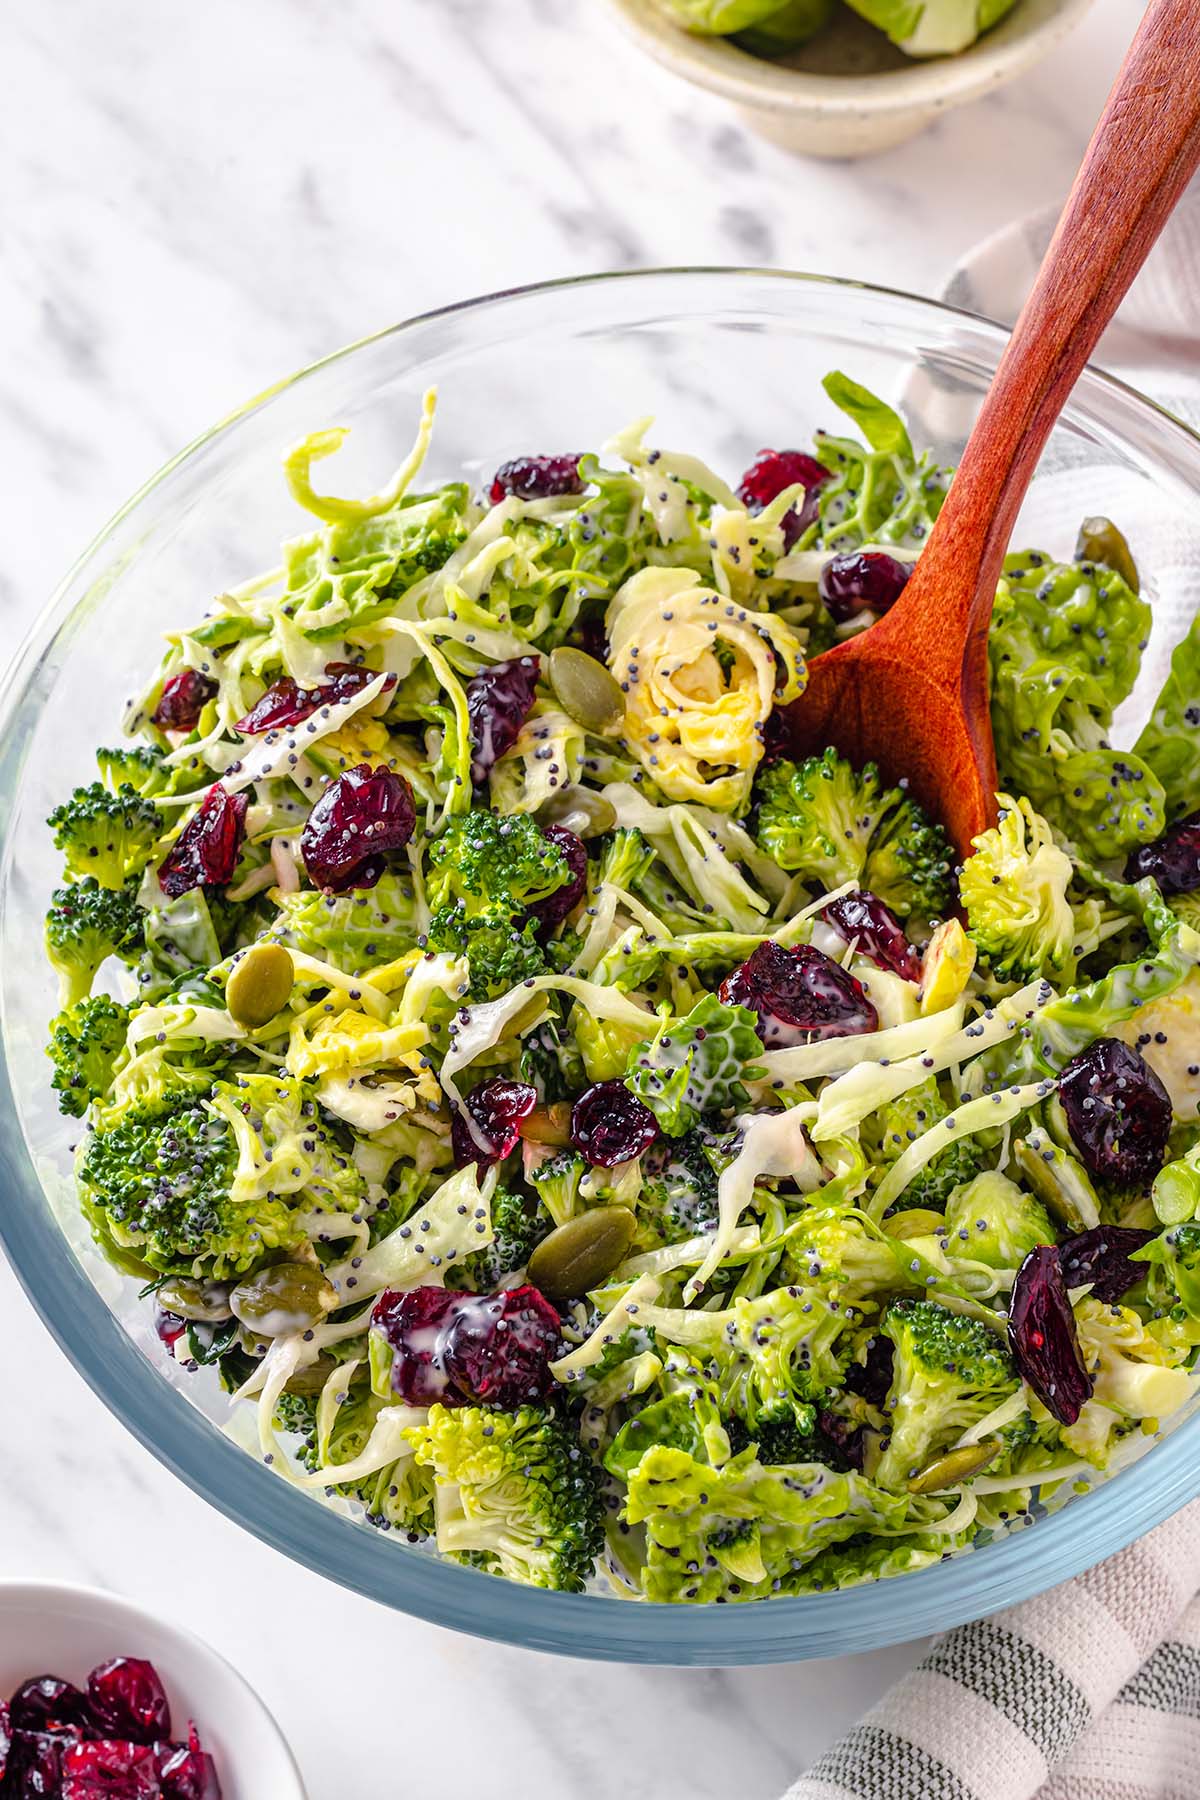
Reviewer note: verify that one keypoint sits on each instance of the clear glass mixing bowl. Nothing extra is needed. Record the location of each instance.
(728, 361)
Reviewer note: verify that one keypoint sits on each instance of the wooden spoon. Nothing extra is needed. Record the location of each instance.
(911, 693)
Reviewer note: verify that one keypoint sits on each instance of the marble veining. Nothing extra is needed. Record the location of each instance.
(196, 200)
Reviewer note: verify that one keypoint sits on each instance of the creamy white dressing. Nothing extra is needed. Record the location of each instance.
(773, 1144)
(868, 1086)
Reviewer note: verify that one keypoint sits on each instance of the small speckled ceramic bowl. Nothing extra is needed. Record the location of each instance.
(850, 92)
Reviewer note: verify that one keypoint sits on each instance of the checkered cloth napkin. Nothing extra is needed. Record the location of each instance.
(1090, 1691)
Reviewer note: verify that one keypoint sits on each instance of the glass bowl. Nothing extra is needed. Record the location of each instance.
(728, 361)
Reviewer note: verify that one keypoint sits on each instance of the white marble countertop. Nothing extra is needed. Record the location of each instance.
(198, 200)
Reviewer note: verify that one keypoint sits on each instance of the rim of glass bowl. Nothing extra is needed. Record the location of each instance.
(355, 1555)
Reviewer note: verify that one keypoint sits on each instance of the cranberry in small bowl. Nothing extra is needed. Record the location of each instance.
(138, 1709)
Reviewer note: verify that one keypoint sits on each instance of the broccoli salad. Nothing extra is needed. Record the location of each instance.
(585, 1137)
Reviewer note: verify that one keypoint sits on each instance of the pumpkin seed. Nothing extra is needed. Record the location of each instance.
(582, 1253)
(259, 985)
(580, 810)
(1100, 541)
(205, 1301)
(585, 689)
(286, 1297)
(548, 1124)
(312, 1379)
(918, 1221)
(954, 1466)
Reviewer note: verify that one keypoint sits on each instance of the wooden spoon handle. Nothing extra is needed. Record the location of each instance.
(1141, 157)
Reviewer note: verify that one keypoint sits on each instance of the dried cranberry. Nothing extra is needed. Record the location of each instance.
(128, 1700)
(609, 1125)
(1041, 1335)
(499, 699)
(771, 472)
(1118, 1112)
(799, 995)
(497, 1107)
(414, 1324)
(872, 1379)
(183, 699)
(460, 1348)
(847, 1440)
(47, 1700)
(285, 703)
(592, 636)
(5, 1737)
(558, 906)
(110, 1770)
(359, 820)
(35, 1759)
(1172, 859)
(865, 921)
(500, 1346)
(169, 1327)
(536, 478)
(187, 1772)
(206, 852)
(862, 579)
(1102, 1256)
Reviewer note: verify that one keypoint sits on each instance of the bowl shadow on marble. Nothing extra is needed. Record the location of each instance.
(850, 92)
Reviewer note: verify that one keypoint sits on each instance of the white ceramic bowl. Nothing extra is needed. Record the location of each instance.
(48, 1629)
(850, 92)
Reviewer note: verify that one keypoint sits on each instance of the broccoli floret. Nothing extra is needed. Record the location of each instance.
(520, 1221)
(398, 1496)
(1015, 891)
(217, 1184)
(136, 766)
(501, 949)
(85, 1041)
(297, 1414)
(950, 1371)
(86, 924)
(485, 872)
(624, 859)
(818, 817)
(932, 1186)
(161, 1177)
(486, 859)
(992, 1220)
(107, 835)
(910, 863)
(557, 1183)
(526, 1500)
(678, 1195)
(832, 826)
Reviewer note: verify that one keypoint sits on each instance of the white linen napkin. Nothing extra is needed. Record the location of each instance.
(1090, 1691)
